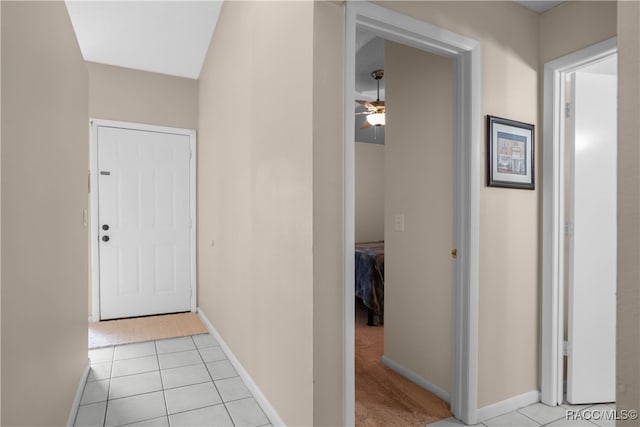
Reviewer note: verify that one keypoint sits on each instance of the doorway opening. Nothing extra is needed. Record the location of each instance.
(403, 266)
(465, 56)
(579, 227)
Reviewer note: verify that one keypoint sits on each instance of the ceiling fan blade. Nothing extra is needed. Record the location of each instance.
(366, 104)
(365, 125)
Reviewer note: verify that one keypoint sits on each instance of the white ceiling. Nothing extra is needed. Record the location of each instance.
(369, 57)
(168, 37)
(538, 5)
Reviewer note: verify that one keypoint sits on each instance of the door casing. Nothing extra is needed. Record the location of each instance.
(466, 54)
(551, 381)
(93, 203)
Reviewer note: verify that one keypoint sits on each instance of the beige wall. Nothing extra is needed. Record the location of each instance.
(628, 342)
(574, 25)
(509, 305)
(369, 193)
(255, 178)
(117, 93)
(419, 185)
(44, 191)
(328, 235)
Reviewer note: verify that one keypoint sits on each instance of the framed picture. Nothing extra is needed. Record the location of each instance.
(510, 154)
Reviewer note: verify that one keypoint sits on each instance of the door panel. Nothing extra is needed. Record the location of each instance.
(144, 199)
(592, 284)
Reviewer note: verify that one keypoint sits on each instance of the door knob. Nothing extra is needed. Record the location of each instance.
(105, 227)
(105, 238)
(454, 253)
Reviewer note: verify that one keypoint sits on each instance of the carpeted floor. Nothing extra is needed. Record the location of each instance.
(384, 398)
(124, 331)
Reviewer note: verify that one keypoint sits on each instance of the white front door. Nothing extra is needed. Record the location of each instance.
(144, 222)
(592, 284)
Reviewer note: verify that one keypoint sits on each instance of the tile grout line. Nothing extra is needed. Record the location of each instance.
(139, 394)
(157, 356)
(106, 406)
(212, 380)
(108, 400)
(535, 421)
(164, 396)
(75, 421)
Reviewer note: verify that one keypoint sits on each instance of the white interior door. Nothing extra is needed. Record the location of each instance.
(144, 222)
(592, 283)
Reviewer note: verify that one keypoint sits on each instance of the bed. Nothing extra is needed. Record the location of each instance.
(369, 280)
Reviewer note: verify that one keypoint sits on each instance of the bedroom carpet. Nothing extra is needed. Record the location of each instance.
(384, 398)
(125, 331)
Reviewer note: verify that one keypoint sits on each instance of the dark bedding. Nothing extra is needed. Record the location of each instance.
(369, 269)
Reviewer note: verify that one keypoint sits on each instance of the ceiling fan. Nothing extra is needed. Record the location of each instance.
(375, 109)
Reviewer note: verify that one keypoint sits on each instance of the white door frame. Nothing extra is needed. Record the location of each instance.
(466, 54)
(93, 203)
(551, 382)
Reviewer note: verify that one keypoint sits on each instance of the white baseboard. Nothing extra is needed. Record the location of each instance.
(415, 378)
(79, 391)
(269, 410)
(508, 405)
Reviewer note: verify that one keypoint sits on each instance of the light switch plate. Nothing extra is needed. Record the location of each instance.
(398, 223)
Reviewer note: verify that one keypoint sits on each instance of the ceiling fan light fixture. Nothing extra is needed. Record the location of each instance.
(376, 119)
(375, 113)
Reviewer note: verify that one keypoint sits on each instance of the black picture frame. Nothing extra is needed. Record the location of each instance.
(510, 154)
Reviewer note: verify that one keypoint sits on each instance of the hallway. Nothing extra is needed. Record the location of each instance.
(185, 381)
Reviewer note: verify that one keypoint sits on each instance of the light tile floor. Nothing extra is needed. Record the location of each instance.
(186, 381)
(539, 414)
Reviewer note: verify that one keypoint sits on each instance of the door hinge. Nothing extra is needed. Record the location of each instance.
(89, 182)
(566, 348)
(567, 110)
